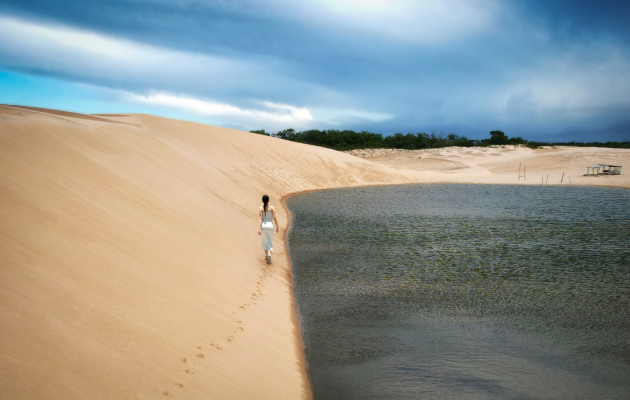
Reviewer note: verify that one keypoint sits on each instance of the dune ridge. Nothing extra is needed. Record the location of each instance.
(130, 261)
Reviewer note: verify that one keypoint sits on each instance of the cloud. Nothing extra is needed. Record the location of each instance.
(590, 84)
(72, 52)
(90, 57)
(345, 116)
(417, 22)
(275, 112)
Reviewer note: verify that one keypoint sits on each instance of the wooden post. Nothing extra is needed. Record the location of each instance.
(562, 177)
(542, 181)
(569, 180)
(546, 182)
(519, 171)
(524, 168)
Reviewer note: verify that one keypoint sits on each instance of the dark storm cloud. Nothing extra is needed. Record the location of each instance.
(183, 25)
(582, 17)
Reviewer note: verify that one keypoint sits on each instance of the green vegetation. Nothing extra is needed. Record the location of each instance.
(350, 140)
(498, 137)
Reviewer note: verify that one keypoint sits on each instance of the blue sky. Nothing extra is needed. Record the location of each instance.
(530, 68)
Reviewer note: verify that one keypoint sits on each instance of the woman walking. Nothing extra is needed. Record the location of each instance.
(265, 226)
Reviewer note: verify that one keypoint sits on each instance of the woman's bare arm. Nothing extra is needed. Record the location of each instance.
(259, 220)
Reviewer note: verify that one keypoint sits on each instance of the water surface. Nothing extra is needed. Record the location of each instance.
(464, 291)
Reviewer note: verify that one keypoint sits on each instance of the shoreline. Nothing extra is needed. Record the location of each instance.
(299, 342)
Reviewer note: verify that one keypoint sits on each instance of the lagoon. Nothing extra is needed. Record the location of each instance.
(464, 291)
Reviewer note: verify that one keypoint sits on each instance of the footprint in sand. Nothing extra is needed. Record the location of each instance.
(178, 385)
(216, 346)
(200, 355)
(184, 361)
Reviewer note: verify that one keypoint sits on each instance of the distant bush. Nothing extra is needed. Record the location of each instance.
(498, 137)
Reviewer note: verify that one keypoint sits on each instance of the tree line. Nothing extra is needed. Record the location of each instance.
(350, 140)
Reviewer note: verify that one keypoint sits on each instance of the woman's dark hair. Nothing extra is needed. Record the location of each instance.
(265, 202)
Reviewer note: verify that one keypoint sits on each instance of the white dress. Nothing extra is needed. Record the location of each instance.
(266, 230)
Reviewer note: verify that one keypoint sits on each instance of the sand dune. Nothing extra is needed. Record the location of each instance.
(130, 262)
(500, 164)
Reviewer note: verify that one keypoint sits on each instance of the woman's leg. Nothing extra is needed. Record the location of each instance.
(267, 238)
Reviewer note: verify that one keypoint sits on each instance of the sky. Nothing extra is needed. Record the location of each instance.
(538, 69)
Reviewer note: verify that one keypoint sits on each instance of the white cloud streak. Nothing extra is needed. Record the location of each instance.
(418, 22)
(344, 116)
(275, 113)
(269, 116)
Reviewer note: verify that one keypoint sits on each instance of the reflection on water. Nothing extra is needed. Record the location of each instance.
(464, 291)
